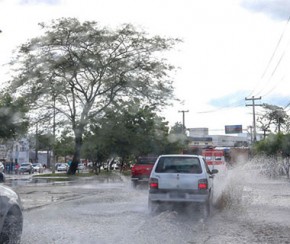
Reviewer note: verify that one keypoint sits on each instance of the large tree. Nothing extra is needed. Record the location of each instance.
(79, 69)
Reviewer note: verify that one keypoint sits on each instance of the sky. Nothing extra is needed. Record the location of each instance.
(231, 49)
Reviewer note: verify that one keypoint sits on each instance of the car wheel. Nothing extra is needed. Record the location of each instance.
(153, 207)
(134, 183)
(207, 208)
(12, 228)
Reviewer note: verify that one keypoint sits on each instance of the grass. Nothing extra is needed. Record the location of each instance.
(82, 174)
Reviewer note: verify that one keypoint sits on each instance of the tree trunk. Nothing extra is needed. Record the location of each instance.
(287, 167)
(76, 157)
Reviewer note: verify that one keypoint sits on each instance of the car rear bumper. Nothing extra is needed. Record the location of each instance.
(144, 179)
(178, 197)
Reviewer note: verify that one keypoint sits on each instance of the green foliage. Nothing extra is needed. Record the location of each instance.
(129, 132)
(44, 141)
(12, 117)
(274, 145)
(177, 128)
(64, 145)
(177, 137)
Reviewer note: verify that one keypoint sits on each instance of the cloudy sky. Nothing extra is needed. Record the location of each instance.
(231, 50)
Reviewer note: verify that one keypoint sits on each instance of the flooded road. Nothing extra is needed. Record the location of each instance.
(248, 209)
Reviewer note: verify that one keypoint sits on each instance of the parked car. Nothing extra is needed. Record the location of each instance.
(81, 166)
(141, 170)
(38, 167)
(181, 179)
(26, 168)
(62, 167)
(11, 218)
(115, 166)
(1, 167)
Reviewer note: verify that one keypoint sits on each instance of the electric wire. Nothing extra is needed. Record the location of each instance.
(271, 89)
(270, 61)
(230, 106)
(241, 104)
(276, 48)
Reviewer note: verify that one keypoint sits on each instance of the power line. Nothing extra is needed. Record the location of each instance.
(231, 106)
(271, 59)
(275, 50)
(271, 89)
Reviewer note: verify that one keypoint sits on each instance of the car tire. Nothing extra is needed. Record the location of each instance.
(153, 207)
(207, 208)
(134, 183)
(12, 227)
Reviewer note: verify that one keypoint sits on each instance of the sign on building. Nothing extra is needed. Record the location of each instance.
(233, 129)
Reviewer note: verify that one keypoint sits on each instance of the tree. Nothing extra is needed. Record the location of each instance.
(12, 117)
(64, 145)
(178, 137)
(273, 115)
(177, 128)
(80, 69)
(128, 132)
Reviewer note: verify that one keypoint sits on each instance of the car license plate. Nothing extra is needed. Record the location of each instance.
(177, 195)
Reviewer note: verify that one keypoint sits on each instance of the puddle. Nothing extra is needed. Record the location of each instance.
(28, 181)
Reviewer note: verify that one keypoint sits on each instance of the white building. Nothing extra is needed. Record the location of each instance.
(20, 151)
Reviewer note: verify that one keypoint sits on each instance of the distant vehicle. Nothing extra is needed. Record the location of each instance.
(141, 170)
(38, 167)
(181, 178)
(81, 166)
(1, 167)
(115, 166)
(62, 167)
(26, 168)
(215, 159)
(11, 218)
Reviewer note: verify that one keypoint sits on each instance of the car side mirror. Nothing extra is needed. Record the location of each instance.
(214, 171)
(2, 177)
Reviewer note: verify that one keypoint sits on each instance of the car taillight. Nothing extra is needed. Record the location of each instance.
(153, 183)
(202, 184)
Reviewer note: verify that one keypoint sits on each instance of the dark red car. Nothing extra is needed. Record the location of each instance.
(140, 171)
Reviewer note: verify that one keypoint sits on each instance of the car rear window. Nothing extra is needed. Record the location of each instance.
(146, 160)
(189, 165)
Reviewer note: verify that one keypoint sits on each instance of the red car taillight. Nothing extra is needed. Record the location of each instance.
(202, 184)
(153, 183)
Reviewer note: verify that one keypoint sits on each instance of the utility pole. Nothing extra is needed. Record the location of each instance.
(253, 99)
(183, 118)
(251, 133)
(53, 145)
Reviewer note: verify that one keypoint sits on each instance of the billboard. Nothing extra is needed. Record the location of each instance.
(233, 129)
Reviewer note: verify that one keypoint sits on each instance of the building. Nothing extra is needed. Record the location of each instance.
(199, 137)
(20, 151)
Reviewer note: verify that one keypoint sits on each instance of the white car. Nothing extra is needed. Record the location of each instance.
(62, 167)
(38, 167)
(81, 166)
(181, 178)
